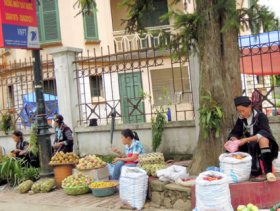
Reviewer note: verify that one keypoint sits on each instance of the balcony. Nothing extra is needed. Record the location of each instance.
(151, 39)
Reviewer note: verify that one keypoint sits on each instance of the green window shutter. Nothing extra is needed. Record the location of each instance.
(48, 21)
(152, 18)
(90, 25)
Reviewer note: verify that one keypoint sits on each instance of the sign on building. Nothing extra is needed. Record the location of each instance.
(18, 24)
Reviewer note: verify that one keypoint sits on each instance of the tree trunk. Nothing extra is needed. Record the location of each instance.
(219, 74)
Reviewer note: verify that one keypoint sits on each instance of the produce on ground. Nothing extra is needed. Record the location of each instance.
(249, 207)
(25, 186)
(36, 187)
(43, 185)
(90, 162)
(47, 185)
(103, 184)
(64, 158)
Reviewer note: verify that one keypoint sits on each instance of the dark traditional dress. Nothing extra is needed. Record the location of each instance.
(259, 125)
(64, 134)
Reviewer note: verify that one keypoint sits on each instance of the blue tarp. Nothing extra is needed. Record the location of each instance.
(260, 40)
(28, 111)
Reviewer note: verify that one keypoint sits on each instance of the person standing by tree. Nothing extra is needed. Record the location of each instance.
(253, 131)
(63, 135)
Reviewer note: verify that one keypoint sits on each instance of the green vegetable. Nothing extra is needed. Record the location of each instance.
(25, 186)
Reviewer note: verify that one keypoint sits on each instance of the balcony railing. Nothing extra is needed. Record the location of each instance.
(152, 38)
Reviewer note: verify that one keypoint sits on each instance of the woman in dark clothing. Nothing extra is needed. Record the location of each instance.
(22, 151)
(63, 136)
(253, 131)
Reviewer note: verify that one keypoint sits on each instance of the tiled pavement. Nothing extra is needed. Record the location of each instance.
(11, 200)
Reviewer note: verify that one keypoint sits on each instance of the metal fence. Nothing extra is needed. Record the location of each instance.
(260, 68)
(18, 101)
(135, 84)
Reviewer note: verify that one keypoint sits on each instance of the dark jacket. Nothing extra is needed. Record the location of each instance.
(65, 137)
(31, 160)
(22, 145)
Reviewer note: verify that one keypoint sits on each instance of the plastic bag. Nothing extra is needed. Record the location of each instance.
(111, 168)
(212, 195)
(237, 166)
(133, 186)
(172, 173)
(232, 146)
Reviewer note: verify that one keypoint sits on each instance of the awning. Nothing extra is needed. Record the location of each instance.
(260, 54)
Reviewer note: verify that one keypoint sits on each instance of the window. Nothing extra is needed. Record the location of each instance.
(11, 98)
(48, 21)
(152, 17)
(173, 83)
(96, 86)
(50, 87)
(90, 25)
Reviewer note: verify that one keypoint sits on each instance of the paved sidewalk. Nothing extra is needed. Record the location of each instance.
(11, 200)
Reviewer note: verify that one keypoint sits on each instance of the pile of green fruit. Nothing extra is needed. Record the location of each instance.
(64, 158)
(76, 184)
(41, 186)
(249, 207)
(152, 162)
(90, 162)
(25, 186)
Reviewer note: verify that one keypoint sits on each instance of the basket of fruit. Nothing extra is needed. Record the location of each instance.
(103, 188)
(76, 184)
(90, 162)
(77, 190)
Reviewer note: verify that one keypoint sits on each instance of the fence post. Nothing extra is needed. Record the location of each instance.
(66, 85)
(194, 70)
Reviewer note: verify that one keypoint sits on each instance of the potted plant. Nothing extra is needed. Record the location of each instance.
(162, 115)
(6, 123)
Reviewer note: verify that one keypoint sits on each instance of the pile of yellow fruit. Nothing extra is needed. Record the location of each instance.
(103, 184)
(90, 162)
(64, 158)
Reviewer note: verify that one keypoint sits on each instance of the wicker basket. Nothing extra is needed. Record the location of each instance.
(76, 190)
(102, 192)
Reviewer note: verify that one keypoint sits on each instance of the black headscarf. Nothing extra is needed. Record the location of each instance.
(243, 101)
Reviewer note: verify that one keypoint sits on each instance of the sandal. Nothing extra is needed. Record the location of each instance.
(270, 177)
(259, 178)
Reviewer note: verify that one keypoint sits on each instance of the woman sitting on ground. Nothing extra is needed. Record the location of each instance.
(133, 148)
(21, 150)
